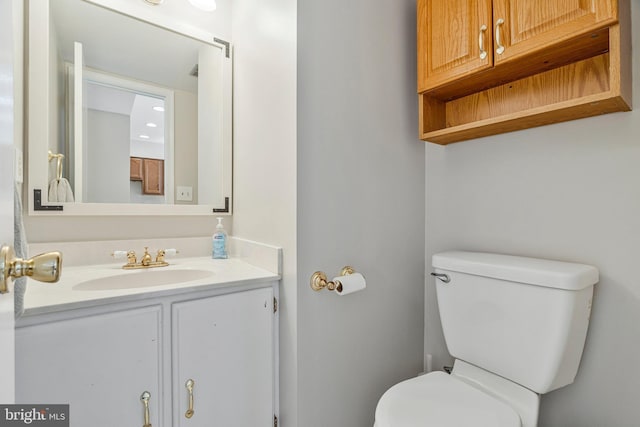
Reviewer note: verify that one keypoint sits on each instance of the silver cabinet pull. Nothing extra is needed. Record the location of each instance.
(145, 401)
(442, 277)
(483, 53)
(500, 48)
(189, 385)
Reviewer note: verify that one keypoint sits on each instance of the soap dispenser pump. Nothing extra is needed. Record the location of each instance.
(219, 241)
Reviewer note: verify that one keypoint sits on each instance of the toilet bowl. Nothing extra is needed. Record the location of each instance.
(516, 327)
(469, 396)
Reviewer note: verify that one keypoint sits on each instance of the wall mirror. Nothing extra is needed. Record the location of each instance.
(125, 116)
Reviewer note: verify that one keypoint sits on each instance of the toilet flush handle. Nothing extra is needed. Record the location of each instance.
(442, 277)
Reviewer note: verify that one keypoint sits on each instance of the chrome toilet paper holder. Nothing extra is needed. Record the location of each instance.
(319, 280)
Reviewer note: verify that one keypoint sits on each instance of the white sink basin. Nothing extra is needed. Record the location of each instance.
(142, 279)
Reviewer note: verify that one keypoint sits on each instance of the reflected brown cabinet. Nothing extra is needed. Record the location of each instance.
(150, 172)
(135, 164)
(487, 67)
(153, 176)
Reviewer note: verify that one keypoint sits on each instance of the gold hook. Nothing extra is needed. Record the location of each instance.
(59, 157)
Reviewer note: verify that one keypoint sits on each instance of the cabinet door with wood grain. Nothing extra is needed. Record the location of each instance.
(153, 180)
(524, 27)
(135, 167)
(454, 40)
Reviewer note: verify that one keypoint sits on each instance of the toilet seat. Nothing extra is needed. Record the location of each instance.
(441, 400)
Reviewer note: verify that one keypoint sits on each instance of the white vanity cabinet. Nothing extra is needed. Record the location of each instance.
(100, 365)
(100, 360)
(225, 346)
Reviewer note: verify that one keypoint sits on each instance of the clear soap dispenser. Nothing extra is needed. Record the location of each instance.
(219, 242)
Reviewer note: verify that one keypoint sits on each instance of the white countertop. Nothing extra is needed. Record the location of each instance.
(71, 293)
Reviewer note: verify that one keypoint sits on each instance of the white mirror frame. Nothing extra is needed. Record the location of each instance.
(38, 114)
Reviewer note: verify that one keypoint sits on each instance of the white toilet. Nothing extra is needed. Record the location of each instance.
(516, 328)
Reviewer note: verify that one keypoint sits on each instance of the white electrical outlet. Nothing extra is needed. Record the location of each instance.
(185, 194)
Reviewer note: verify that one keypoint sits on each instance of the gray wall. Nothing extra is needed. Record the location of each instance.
(570, 192)
(107, 177)
(360, 203)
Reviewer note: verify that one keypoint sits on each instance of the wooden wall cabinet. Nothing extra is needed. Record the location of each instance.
(135, 166)
(153, 176)
(150, 172)
(488, 67)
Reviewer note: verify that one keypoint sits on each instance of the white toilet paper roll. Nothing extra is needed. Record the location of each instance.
(350, 283)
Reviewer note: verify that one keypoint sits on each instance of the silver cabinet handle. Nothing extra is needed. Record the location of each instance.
(145, 401)
(483, 53)
(500, 48)
(189, 385)
(442, 277)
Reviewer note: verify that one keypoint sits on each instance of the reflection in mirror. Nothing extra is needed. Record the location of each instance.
(124, 127)
(137, 110)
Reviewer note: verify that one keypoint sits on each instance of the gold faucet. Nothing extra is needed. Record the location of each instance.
(146, 261)
(146, 258)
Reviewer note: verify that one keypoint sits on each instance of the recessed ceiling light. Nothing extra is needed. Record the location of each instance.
(155, 2)
(152, 125)
(144, 136)
(158, 108)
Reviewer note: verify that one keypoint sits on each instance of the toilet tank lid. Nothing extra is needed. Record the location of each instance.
(534, 271)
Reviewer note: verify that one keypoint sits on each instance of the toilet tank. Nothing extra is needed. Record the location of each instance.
(524, 319)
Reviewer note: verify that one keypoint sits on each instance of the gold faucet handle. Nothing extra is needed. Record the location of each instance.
(131, 257)
(146, 257)
(165, 252)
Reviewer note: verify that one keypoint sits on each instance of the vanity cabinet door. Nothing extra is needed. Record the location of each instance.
(225, 345)
(100, 365)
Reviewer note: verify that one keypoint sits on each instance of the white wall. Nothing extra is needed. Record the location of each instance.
(185, 160)
(571, 192)
(18, 69)
(56, 96)
(360, 203)
(146, 149)
(180, 13)
(56, 100)
(264, 156)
